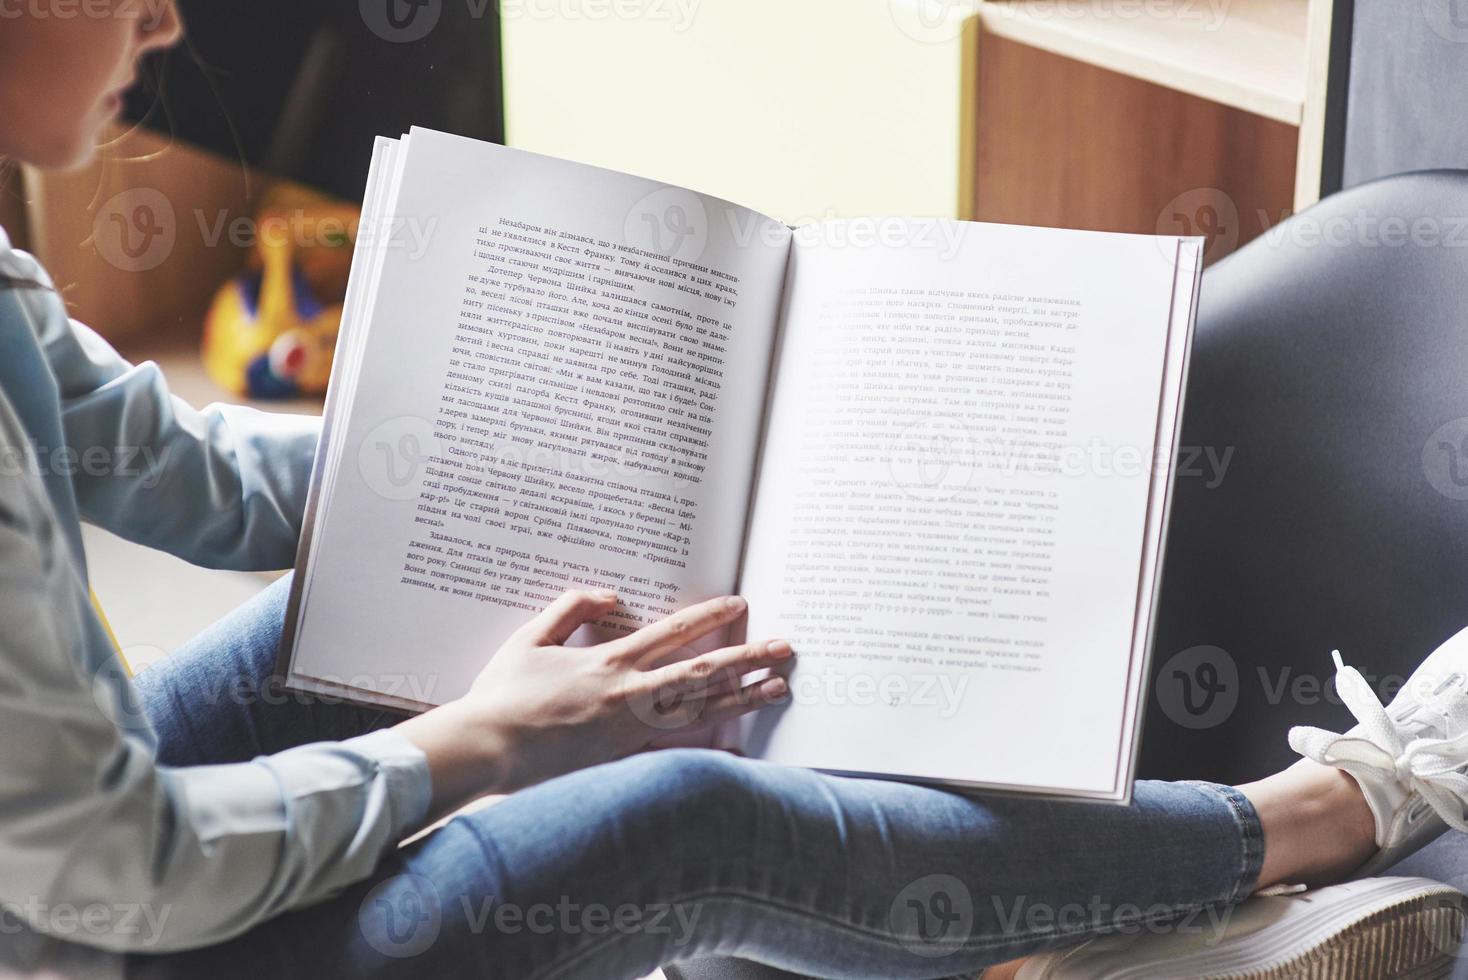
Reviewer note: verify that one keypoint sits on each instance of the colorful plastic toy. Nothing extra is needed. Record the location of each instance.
(271, 330)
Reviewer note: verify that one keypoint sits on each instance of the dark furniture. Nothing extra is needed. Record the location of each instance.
(299, 88)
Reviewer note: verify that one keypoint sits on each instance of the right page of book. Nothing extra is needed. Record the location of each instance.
(956, 518)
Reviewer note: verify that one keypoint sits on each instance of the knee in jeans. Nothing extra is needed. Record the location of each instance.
(704, 785)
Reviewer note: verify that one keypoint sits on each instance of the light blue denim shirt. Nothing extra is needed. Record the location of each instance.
(87, 815)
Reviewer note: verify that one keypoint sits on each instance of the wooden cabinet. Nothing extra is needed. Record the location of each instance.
(139, 241)
(1173, 116)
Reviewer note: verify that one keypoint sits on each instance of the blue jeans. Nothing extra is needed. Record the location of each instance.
(682, 854)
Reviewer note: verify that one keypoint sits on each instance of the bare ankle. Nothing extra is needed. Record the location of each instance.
(1002, 971)
(1317, 826)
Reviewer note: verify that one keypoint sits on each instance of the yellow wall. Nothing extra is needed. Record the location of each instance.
(804, 109)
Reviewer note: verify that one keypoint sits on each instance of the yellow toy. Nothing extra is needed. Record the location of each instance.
(271, 331)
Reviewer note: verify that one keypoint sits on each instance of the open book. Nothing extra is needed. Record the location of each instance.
(936, 456)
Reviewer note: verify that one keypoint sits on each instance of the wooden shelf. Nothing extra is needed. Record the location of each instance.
(1247, 54)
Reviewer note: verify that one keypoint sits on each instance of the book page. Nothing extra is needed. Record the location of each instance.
(953, 502)
(558, 382)
(1159, 507)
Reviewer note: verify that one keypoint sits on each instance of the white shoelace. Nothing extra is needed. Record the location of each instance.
(1430, 767)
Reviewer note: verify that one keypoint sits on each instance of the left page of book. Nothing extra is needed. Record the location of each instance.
(553, 378)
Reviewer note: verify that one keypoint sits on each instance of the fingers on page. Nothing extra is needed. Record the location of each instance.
(681, 629)
(721, 668)
(571, 611)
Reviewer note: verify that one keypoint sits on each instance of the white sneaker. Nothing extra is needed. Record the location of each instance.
(1409, 758)
(1360, 930)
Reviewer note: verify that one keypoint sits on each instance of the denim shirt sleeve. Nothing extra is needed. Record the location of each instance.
(221, 487)
(87, 815)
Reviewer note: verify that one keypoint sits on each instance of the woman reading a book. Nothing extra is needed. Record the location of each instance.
(198, 823)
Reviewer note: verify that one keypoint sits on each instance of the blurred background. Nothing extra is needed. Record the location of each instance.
(1216, 117)
(1213, 117)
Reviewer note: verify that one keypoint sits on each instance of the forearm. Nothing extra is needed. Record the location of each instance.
(222, 487)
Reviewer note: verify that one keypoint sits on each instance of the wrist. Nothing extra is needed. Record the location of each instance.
(467, 757)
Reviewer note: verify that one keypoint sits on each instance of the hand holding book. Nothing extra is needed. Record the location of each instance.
(541, 709)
